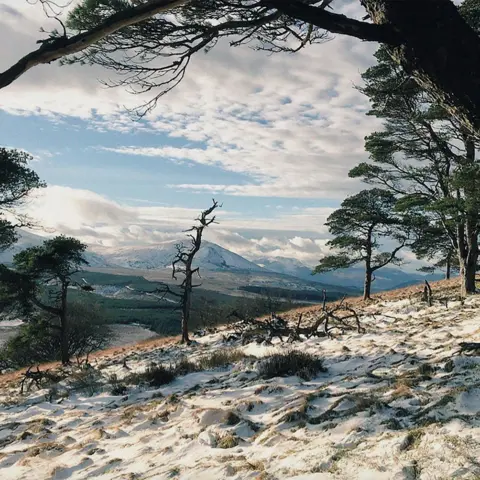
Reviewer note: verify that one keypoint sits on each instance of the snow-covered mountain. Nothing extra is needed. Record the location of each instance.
(25, 240)
(151, 257)
(210, 257)
(213, 257)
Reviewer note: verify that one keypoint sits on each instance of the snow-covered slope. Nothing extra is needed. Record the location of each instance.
(25, 240)
(396, 403)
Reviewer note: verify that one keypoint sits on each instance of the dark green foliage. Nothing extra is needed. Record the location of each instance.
(40, 282)
(293, 362)
(59, 258)
(469, 10)
(89, 13)
(428, 159)
(17, 180)
(35, 342)
(8, 235)
(39, 340)
(358, 227)
(433, 244)
(16, 292)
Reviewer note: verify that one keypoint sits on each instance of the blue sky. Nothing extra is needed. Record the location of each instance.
(271, 137)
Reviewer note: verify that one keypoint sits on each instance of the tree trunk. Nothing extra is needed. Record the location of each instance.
(64, 326)
(185, 320)
(448, 272)
(468, 258)
(470, 255)
(470, 262)
(439, 50)
(186, 305)
(367, 286)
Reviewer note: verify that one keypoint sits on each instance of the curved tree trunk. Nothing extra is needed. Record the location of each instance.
(439, 49)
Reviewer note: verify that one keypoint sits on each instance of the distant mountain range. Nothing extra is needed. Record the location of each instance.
(385, 279)
(152, 257)
(214, 258)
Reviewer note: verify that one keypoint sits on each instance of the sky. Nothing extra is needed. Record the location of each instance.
(271, 137)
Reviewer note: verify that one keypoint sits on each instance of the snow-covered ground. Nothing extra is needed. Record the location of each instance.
(398, 402)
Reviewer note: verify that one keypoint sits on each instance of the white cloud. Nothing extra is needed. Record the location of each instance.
(233, 101)
(100, 221)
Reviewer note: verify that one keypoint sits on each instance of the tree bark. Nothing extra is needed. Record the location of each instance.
(467, 256)
(54, 49)
(439, 49)
(367, 286)
(186, 305)
(65, 357)
(448, 271)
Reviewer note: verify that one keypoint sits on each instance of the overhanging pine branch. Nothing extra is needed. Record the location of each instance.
(336, 23)
(52, 50)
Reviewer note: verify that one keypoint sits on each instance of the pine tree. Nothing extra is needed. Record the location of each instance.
(40, 281)
(17, 180)
(358, 227)
(426, 156)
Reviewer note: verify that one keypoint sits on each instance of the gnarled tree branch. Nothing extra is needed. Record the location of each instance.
(56, 48)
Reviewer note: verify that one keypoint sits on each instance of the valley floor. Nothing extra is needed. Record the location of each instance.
(398, 402)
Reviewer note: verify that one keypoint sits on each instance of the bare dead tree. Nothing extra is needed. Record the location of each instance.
(183, 264)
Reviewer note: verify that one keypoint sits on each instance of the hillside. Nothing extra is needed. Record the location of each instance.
(399, 401)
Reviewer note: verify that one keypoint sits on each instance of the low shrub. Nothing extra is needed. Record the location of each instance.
(231, 418)
(85, 380)
(185, 366)
(117, 388)
(220, 358)
(289, 363)
(228, 441)
(154, 376)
